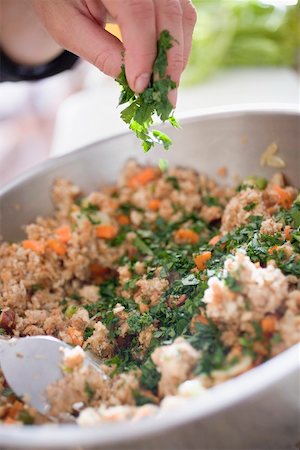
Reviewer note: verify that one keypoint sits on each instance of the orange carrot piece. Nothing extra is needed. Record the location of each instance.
(143, 177)
(197, 319)
(122, 219)
(63, 233)
(15, 408)
(154, 204)
(259, 348)
(9, 421)
(113, 204)
(143, 308)
(288, 232)
(186, 236)
(236, 351)
(75, 336)
(284, 198)
(214, 240)
(35, 246)
(268, 324)
(201, 260)
(273, 249)
(222, 171)
(57, 247)
(106, 231)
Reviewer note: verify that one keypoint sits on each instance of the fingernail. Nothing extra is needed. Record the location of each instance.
(142, 82)
(173, 97)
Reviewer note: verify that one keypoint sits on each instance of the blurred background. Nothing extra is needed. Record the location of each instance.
(245, 52)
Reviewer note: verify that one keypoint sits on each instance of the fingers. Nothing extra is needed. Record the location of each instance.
(189, 21)
(77, 31)
(136, 19)
(78, 27)
(97, 46)
(169, 16)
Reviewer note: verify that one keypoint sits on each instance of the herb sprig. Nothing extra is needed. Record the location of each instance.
(154, 100)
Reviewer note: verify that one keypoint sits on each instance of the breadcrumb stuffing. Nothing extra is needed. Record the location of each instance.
(163, 326)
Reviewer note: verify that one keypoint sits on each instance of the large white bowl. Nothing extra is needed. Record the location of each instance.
(257, 410)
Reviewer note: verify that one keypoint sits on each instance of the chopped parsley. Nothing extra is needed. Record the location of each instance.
(174, 182)
(232, 283)
(91, 213)
(88, 332)
(25, 417)
(154, 100)
(210, 201)
(250, 206)
(141, 399)
(207, 339)
(90, 393)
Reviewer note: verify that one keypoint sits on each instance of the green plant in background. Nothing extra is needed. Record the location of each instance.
(212, 37)
(242, 33)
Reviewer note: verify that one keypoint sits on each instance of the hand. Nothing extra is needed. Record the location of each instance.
(78, 26)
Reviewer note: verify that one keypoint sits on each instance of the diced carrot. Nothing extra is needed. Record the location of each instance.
(214, 240)
(9, 421)
(200, 318)
(201, 260)
(284, 198)
(122, 219)
(35, 246)
(154, 204)
(106, 231)
(113, 204)
(63, 233)
(268, 324)
(273, 249)
(288, 232)
(14, 410)
(75, 336)
(236, 351)
(143, 177)
(186, 236)
(259, 348)
(222, 171)
(57, 247)
(143, 308)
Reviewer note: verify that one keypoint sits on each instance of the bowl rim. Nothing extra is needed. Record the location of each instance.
(186, 117)
(218, 398)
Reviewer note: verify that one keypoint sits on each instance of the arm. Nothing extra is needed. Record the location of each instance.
(22, 36)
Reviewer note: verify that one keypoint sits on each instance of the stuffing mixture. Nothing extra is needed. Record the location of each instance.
(174, 282)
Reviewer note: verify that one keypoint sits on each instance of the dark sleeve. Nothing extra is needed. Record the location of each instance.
(11, 71)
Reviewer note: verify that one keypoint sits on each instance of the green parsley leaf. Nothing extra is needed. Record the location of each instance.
(154, 100)
(141, 399)
(89, 391)
(250, 206)
(25, 417)
(163, 164)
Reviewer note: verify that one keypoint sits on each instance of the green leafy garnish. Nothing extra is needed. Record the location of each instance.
(25, 417)
(154, 100)
(207, 339)
(89, 391)
(141, 399)
(70, 311)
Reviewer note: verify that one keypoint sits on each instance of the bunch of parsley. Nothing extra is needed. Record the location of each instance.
(154, 100)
